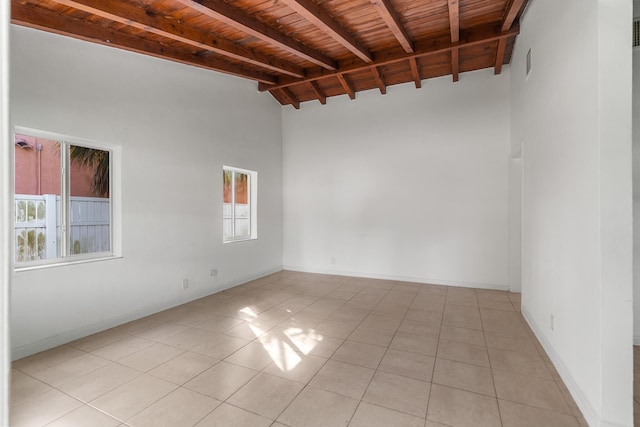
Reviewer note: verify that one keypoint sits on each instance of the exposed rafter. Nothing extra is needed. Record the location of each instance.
(392, 19)
(290, 97)
(454, 27)
(502, 46)
(346, 86)
(415, 72)
(127, 14)
(310, 11)
(471, 37)
(511, 12)
(319, 93)
(223, 12)
(379, 81)
(30, 16)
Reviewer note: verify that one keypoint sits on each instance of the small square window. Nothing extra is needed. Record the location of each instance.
(239, 204)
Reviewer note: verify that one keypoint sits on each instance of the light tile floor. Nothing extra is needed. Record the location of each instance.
(296, 349)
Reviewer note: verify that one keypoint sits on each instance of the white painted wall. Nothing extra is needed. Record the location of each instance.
(411, 185)
(5, 251)
(176, 126)
(574, 115)
(636, 185)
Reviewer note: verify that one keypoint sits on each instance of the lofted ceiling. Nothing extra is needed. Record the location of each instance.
(298, 50)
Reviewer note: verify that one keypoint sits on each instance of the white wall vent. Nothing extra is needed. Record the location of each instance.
(636, 32)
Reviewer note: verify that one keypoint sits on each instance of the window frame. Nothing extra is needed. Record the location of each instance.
(252, 198)
(66, 257)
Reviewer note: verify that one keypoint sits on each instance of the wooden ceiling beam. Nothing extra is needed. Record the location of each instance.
(42, 19)
(379, 80)
(319, 93)
(502, 47)
(310, 11)
(415, 72)
(223, 12)
(511, 13)
(455, 64)
(392, 19)
(454, 26)
(128, 14)
(346, 86)
(476, 36)
(289, 96)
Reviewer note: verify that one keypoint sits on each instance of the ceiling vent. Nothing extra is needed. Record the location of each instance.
(636, 32)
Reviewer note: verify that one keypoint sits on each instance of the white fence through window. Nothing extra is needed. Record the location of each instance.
(38, 224)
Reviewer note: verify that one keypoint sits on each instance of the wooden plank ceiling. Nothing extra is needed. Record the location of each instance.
(298, 50)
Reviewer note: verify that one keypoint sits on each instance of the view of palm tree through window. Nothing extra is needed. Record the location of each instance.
(46, 199)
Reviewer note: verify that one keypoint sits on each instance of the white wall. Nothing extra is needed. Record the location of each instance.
(636, 185)
(177, 126)
(411, 185)
(5, 265)
(574, 115)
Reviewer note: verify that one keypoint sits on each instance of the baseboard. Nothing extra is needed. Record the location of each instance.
(585, 406)
(75, 334)
(432, 281)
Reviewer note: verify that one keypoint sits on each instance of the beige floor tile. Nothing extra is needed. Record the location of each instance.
(434, 424)
(246, 331)
(520, 363)
(150, 357)
(505, 328)
(161, 331)
(463, 376)
(127, 400)
(193, 317)
(253, 356)
(407, 364)
(522, 344)
(462, 321)
(46, 359)
(356, 353)
(300, 370)
(42, 409)
(507, 317)
(336, 329)
(227, 415)
(221, 380)
(219, 323)
(220, 346)
(24, 387)
(496, 305)
(530, 391)
(343, 378)
(415, 344)
(183, 367)
(266, 395)
(190, 338)
(371, 336)
(445, 406)
(85, 416)
(431, 317)
(463, 335)
(314, 344)
(382, 322)
(96, 383)
(517, 415)
(181, 407)
(319, 408)
(349, 315)
(95, 341)
(415, 327)
(400, 393)
(465, 353)
(122, 348)
(71, 369)
(368, 415)
(429, 305)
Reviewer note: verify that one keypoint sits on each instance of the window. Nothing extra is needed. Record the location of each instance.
(63, 200)
(239, 204)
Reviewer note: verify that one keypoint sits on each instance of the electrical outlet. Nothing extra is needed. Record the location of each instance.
(552, 322)
(185, 283)
(214, 272)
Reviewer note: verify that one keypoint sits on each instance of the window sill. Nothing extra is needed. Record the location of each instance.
(65, 263)
(248, 239)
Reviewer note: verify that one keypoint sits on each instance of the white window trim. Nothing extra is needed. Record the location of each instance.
(115, 169)
(253, 208)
